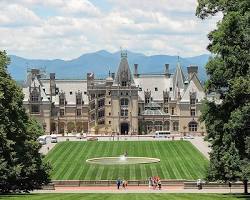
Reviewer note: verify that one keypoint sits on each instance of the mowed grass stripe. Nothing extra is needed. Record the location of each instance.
(68, 164)
(189, 164)
(59, 162)
(90, 147)
(183, 164)
(75, 173)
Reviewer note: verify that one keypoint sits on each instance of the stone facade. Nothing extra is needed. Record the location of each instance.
(124, 103)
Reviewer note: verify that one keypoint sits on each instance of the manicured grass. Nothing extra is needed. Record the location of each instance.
(179, 160)
(123, 197)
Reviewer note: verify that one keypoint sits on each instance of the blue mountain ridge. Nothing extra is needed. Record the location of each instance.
(101, 62)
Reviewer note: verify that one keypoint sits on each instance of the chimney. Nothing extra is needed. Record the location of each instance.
(52, 77)
(192, 69)
(136, 70)
(90, 79)
(35, 73)
(166, 72)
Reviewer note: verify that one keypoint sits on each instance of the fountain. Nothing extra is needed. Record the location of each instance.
(122, 160)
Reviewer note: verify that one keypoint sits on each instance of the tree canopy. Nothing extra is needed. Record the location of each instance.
(228, 122)
(21, 166)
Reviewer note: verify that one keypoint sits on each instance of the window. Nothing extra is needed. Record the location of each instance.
(101, 114)
(79, 112)
(109, 102)
(192, 101)
(192, 112)
(92, 117)
(61, 112)
(109, 113)
(124, 83)
(61, 101)
(147, 100)
(34, 98)
(140, 89)
(70, 92)
(166, 109)
(85, 92)
(124, 102)
(167, 126)
(172, 111)
(175, 126)
(35, 109)
(170, 88)
(101, 103)
(109, 93)
(78, 100)
(156, 89)
(124, 112)
(166, 99)
(192, 126)
(92, 106)
(109, 122)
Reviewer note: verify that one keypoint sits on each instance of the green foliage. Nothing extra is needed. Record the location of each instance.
(21, 167)
(228, 122)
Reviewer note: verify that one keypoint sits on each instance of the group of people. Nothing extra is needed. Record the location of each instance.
(154, 182)
(121, 183)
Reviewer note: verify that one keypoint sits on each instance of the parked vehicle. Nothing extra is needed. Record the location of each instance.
(53, 138)
(161, 134)
(92, 139)
(80, 136)
(44, 139)
(188, 137)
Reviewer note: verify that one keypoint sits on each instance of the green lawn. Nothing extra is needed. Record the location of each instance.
(123, 197)
(179, 160)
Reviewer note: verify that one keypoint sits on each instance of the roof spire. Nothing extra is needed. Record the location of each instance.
(123, 53)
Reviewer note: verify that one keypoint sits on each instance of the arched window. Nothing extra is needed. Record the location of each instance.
(175, 126)
(124, 102)
(166, 126)
(192, 126)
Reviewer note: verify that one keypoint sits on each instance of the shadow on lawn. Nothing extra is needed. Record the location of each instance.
(239, 196)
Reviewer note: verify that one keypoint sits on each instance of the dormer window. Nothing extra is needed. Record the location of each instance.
(61, 101)
(34, 98)
(78, 100)
(124, 83)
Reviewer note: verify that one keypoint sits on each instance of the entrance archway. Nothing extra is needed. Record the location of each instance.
(124, 128)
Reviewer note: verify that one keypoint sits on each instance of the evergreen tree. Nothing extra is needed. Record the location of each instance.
(21, 166)
(228, 122)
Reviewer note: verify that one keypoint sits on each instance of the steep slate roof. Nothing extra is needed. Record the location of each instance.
(150, 82)
(178, 80)
(194, 85)
(123, 72)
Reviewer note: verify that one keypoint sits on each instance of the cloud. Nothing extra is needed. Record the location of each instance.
(80, 26)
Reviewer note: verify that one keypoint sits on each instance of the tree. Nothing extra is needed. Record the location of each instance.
(228, 122)
(22, 167)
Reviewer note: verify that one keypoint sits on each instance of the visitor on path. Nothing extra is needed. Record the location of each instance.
(118, 183)
(159, 184)
(150, 182)
(124, 184)
(126, 153)
(199, 184)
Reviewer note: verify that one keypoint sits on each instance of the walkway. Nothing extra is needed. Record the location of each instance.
(201, 145)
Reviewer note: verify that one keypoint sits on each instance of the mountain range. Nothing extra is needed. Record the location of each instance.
(101, 62)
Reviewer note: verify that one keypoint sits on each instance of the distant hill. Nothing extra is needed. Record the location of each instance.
(101, 62)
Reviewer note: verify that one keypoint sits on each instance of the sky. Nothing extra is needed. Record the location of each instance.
(66, 29)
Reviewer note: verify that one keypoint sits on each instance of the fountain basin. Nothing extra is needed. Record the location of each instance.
(122, 160)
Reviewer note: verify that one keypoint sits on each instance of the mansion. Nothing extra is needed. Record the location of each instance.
(124, 103)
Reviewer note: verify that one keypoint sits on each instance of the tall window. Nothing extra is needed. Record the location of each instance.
(175, 126)
(172, 111)
(34, 98)
(124, 112)
(167, 126)
(78, 100)
(101, 103)
(192, 126)
(61, 101)
(101, 113)
(147, 100)
(61, 112)
(124, 102)
(192, 112)
(35, 109)
(79, 112)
